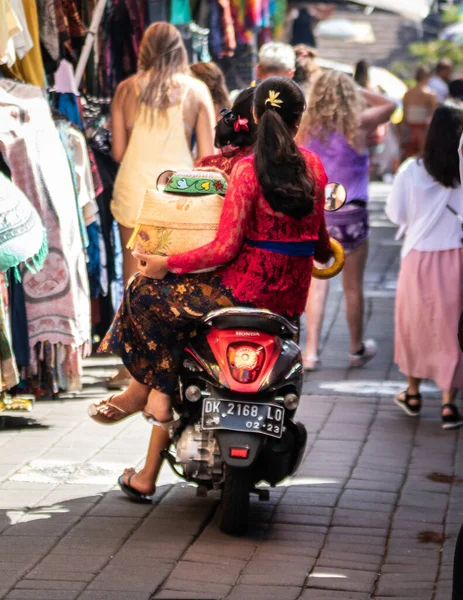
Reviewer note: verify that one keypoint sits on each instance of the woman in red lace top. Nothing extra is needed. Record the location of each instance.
(273, 212)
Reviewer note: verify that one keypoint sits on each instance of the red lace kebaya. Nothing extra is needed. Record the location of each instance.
(263, 278)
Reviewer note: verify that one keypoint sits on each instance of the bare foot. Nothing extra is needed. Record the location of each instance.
(139, 481)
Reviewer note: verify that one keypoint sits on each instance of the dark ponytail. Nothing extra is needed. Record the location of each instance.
(280, 166)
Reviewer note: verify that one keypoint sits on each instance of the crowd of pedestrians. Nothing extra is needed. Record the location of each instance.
(340, 124)
(343, 125)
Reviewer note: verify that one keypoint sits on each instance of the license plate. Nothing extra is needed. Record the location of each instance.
(243, 416)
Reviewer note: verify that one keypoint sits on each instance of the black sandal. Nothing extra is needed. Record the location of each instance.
(452, 421)
(133, 494)
(412, 410)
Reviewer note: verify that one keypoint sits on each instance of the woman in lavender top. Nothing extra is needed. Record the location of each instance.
(336, 126)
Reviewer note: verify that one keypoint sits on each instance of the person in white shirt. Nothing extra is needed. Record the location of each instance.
(439, 82)
(426, 201)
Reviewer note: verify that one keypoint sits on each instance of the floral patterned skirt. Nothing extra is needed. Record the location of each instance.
(155, 320)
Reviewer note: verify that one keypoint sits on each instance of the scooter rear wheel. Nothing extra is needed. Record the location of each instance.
(235, 501)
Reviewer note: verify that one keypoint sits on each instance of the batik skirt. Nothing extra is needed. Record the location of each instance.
(157, 318)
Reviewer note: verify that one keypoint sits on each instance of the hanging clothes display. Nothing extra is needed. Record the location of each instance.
(61, 158)
(57, 297)
(23, 240)
(122, 29)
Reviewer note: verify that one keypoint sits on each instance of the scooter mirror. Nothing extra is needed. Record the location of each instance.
(335, 196)
(163, 180)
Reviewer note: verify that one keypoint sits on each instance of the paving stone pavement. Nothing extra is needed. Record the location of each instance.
(372, 513)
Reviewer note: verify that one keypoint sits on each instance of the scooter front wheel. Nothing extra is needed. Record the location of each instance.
(235, 501)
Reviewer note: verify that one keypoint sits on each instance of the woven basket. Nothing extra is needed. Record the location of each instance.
(171, 224)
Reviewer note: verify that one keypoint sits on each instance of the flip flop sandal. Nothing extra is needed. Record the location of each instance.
(133, 494)
(100, 417)
(412, 410)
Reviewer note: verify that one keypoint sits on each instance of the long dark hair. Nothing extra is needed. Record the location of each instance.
(225, 131)
(441, 148)
(280, 166)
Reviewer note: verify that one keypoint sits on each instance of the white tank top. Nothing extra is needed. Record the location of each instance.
(155, 146)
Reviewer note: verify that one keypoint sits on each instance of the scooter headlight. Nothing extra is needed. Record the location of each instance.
(193, 393)
(291, 401)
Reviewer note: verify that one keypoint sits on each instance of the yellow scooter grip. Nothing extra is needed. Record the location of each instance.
(336, 267)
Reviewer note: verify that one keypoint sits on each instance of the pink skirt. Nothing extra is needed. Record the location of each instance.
(428, 305)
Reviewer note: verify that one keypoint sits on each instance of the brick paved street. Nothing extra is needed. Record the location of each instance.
(372, 513)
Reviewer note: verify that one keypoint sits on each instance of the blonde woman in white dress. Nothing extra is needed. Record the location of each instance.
(154, 115)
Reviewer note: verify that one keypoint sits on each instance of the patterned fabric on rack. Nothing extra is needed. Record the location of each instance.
(71, 30)
(249, 16)
(48, 27)
(57, 298)
(121, 33)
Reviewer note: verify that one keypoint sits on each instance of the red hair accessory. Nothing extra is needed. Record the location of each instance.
(241, 124)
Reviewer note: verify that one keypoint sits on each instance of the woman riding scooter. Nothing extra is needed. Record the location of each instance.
(272, 227)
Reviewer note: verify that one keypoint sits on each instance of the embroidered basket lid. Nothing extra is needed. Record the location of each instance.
(22, 235)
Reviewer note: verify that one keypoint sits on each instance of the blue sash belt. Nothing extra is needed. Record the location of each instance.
(287, 248)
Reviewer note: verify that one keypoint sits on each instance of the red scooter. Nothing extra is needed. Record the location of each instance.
(239, 388)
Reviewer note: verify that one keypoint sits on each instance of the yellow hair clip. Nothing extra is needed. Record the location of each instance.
(273, 99)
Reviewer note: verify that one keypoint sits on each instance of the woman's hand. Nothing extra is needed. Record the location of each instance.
(213, 170)
(151, 265)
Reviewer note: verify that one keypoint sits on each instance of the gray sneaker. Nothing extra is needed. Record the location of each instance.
(357, 361)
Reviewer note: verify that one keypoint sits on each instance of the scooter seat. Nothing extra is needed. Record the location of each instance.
(251, 318)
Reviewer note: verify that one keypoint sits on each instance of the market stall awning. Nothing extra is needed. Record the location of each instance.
(417, 10)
